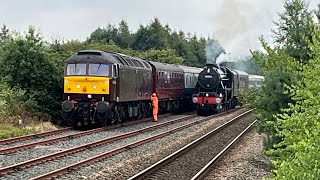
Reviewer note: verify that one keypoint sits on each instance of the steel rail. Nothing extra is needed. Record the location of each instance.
(184, 149)
(33, 136)
(52, 156)
(204, 171)
(67, 169)
(9, 150)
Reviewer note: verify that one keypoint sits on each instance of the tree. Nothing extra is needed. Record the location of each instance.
(294, 29)
(104, 35)
(298, 125)
(25, 63)
(124, 37)
(154, 36)
(4, 34)
(282, 64)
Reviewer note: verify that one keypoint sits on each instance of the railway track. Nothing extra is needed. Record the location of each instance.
(35, 139)
(195, 159)
(10, 141)
(83, 147)
(97, 151)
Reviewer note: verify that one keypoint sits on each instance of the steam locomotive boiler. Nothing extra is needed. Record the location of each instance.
(218, 89)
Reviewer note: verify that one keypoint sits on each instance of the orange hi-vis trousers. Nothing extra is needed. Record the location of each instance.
(155, 108)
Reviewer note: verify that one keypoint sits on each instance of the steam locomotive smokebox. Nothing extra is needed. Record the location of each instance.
(209, 78)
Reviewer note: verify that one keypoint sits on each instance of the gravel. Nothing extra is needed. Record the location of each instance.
(61, 162)
(38, 151)
(188, 164)
(245, 160)
(126, 164)
(18, 143)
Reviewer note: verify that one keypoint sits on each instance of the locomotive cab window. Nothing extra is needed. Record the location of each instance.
(99, 69)
(76, 69)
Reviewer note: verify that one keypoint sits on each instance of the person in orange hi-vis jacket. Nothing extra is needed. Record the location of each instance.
(155, 106)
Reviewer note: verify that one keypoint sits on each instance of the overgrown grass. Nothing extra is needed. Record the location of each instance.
(8, 131)
(13, 108)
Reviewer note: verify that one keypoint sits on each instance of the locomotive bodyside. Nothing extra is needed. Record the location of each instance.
(135, 80)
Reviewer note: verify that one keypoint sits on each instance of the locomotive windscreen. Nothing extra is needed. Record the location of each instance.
(209, 79)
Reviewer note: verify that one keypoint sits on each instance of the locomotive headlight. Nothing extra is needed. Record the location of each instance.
(194, 99)
(89, 96)
(218, 100)
(67, 106)
(78, 86)
(94, 86)
(207, 95)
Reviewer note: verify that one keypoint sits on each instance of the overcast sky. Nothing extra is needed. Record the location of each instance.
(237, 24)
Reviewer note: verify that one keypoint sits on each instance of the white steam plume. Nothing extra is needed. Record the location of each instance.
(239, 23)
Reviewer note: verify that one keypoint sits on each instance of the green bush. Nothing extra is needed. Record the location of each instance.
(11, 104)
(25, 63)
(297, 155)
(8, 131)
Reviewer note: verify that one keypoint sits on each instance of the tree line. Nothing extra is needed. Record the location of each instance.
(154, 36)
(287, 108)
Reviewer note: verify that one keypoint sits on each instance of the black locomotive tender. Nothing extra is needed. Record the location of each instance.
(106, 88)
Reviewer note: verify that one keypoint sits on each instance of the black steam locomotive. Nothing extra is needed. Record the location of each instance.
(218, 89)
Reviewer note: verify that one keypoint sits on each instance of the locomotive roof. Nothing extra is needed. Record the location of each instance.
(255, 77)
(94, 56)
(166, 67)
(188, 69)
(241, 72)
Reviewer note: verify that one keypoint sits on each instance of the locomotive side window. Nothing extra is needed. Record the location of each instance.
(147, 65)
(115, 70)
(121, 61)
(140, 64)
(130, 62)
(135, 63)
(99, 69)
(76, 69)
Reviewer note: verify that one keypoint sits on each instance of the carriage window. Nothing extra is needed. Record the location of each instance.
(99, 69)
(76, 69)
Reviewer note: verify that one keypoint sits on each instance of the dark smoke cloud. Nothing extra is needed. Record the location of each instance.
(213, 50)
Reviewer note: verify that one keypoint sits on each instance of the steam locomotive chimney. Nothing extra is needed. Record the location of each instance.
(213, 50)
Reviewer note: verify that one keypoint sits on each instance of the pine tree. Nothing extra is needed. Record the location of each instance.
(294, 29)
